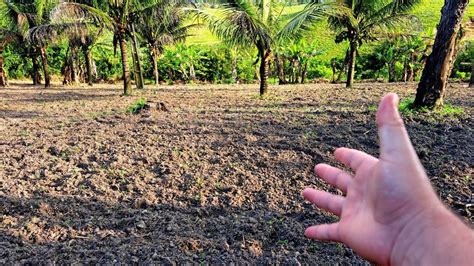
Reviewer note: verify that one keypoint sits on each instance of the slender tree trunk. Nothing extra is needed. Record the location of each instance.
(264, 56)
(88, 56)
(44, 59)
(137, 63)
(127, 85)
(66, 70)
(74, 67)
(154, 58)
(435, 75)
(352, 63)
(333, 67)
(405, 70)
(391, 71)
(280, 65)
(471, 81)
(304, 72)
(3, 76)
(35, 75)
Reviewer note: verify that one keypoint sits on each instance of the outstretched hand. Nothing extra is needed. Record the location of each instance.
(384, 197)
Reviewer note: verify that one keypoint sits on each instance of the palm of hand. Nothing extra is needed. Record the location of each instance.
(372, 214)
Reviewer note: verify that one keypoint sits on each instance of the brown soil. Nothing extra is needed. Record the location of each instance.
(216, 178)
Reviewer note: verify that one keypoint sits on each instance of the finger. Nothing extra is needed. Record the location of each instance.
(324, 200)
(394, 140)
(325, 232)
(353, 158)
(334, 176)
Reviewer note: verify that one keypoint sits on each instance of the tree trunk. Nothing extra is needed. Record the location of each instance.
(405, 70)
(127, 85)
(66, 70)
(233, 72)
(435, 75)
(44, 58)
(72, 63)
(352, 63)
(264, 56)
(391, 71)
(3, 76)
(88, 56)
(333, 67)
(304, 72)
(35, 75)
(154, 58)
(471, 81)
(280, 64)
(136, 61)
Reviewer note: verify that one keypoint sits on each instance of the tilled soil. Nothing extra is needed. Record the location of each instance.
(215, 179)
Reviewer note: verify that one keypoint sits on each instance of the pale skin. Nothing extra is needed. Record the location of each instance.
(390, 214)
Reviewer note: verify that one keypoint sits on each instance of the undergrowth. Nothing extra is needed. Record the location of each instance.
(136, 106)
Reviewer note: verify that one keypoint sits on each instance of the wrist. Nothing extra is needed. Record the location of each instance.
(434, 237)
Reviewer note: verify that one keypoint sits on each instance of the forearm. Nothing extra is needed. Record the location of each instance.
(437, 237)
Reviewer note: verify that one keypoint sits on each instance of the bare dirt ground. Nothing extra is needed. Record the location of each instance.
(215, 179)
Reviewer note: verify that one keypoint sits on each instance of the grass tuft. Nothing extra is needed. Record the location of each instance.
(136, 106)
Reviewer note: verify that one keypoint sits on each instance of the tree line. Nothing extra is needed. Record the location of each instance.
(262, 25)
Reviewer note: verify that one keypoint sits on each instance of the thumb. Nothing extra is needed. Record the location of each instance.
(394, 140)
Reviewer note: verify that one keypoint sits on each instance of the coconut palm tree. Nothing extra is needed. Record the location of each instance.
(20, 16)
(80, 34)
(160, 26)
(356, 21)
(116, 15)
(248, 24)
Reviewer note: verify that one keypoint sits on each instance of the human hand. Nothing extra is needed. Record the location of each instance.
(385, 198)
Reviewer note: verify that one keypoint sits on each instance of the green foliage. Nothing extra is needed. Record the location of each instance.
(190, 63)
(402, 52)
(137, 106)
(462, 65)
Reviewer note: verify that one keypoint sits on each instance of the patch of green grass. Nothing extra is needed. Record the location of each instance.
(406, 107)
(467, 178)
(136, 106)
(372, 108)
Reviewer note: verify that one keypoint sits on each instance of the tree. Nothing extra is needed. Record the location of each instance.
(20, 16)
(439, 64)
(80, 34)
(243, 23)
(356, 21)
(116, 15)
(159, 26)
(136, 58)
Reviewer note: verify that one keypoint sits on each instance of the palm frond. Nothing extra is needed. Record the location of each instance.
(69, 12)
(303, 20)
(48, 33)
(237, 23)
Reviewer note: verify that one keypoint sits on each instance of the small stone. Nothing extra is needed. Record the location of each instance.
(141, 225)
(253, 220)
